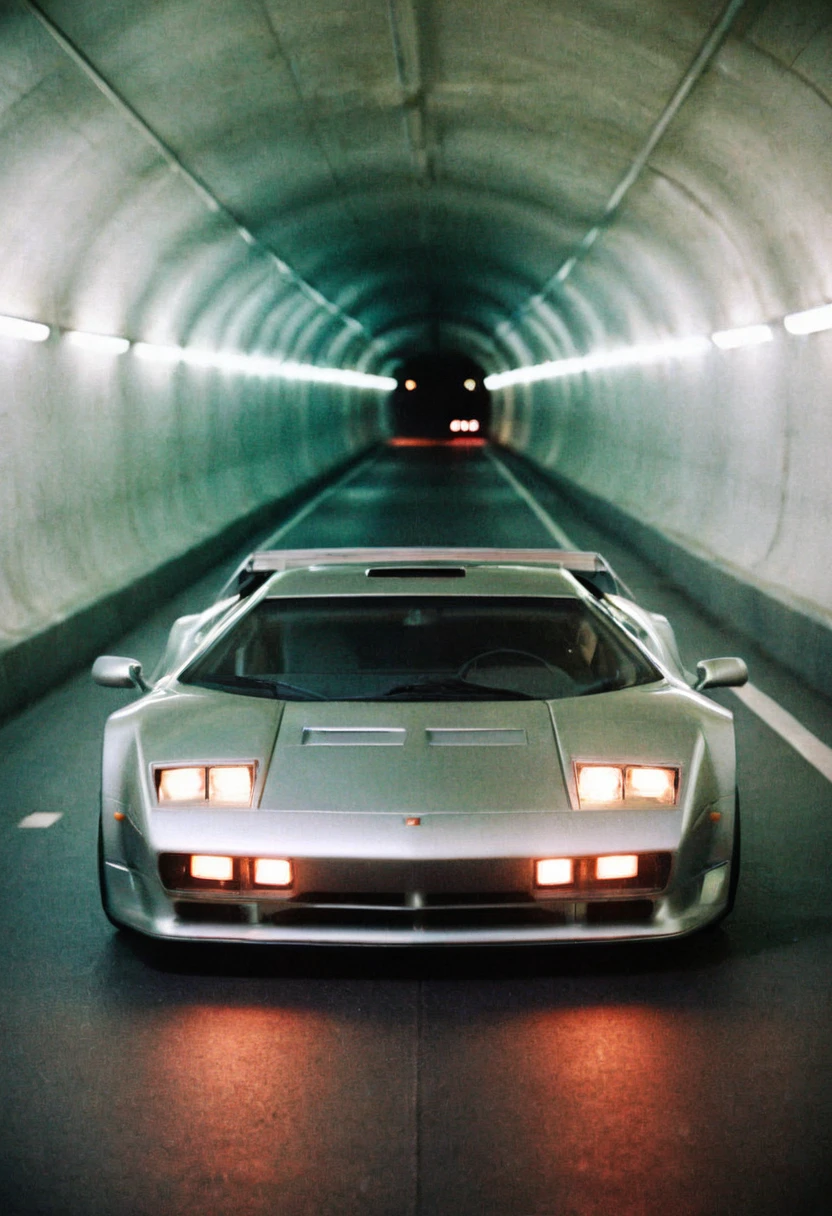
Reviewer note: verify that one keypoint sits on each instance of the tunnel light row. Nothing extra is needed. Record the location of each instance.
(811, 321)
(251, 365)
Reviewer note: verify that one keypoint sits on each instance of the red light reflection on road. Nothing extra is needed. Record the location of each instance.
(587, 1112)
(628, 1109)
(259, 1104)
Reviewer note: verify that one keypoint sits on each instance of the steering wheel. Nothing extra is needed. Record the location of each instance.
(526, 654)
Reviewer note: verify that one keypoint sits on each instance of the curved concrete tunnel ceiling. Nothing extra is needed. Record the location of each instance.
(346, 183)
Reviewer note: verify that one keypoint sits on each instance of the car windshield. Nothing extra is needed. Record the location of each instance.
(421, 648)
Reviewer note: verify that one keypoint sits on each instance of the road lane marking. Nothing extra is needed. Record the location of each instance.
(787, 727)
(40, 819)
(314, 503)
(531, 502)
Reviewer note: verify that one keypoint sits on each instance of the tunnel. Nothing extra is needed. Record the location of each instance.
(441, 397)
(224, 186)
(410, 270)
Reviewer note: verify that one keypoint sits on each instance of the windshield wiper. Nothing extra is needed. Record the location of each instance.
(449, 689)
(261, 686)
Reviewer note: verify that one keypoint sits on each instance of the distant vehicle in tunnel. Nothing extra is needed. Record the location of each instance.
(440, 397)
(420, 747)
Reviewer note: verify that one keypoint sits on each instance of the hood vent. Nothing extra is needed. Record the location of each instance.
(476, 736)
(353, 736)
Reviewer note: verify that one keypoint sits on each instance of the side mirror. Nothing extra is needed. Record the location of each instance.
(720, 673)
(113, 671)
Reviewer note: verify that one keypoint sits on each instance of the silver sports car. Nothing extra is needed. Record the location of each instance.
(420, 747)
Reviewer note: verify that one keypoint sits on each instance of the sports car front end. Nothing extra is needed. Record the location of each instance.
(437, 814)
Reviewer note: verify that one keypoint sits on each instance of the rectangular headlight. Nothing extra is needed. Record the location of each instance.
(657, 784)
(180, 784)
(230, 784)
(210, 784)
(619, 784)
(600, 783)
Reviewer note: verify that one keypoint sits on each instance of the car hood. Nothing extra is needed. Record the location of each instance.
(415, 758)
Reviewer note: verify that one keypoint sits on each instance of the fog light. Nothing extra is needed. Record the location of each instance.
(554, 872)
(271, 872)
(713, 884)
(624, 865)
(218, 869)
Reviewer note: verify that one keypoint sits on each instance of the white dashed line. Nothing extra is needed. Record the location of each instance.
(787, 727)
(40, 819)
(531, 502)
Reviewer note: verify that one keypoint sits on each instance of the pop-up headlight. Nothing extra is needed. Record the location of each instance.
(621, 784)
(214, 785)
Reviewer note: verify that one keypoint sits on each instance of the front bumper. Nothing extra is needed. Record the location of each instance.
(416, 919)
(409, 892)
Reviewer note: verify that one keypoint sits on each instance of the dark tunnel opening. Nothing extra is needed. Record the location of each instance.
(440, 397)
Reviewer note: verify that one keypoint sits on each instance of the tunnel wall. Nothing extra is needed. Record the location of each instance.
(717, 464)
(121, 481)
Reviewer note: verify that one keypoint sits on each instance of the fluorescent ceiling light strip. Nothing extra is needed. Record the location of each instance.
(194, 357)
(333, 375)
(28, 331)
(748, 335)
(105, 344)
(151, 352)
(261, 365)
(624, 356)
(812, 321)
(235, 361)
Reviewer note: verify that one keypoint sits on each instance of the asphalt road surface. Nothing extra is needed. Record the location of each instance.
(688, 1078)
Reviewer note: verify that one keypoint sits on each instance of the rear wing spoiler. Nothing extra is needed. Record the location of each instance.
(590, 569)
